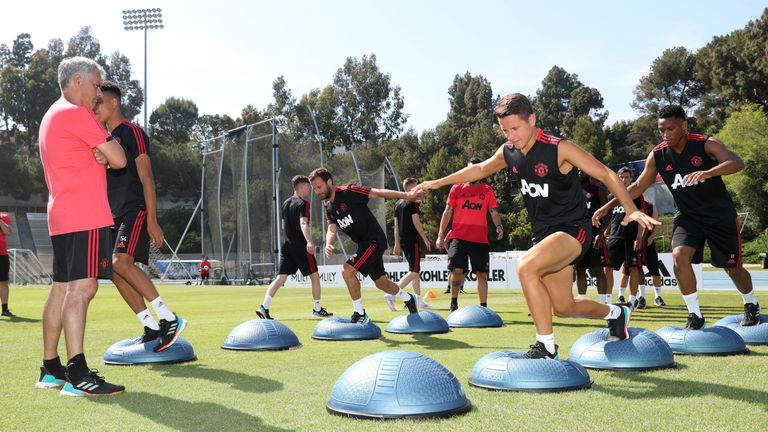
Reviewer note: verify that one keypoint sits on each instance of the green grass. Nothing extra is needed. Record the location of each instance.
(287, 390)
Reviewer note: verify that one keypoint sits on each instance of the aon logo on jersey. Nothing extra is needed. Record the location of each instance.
(619, 209)
(680, 183)
(345, 221)
(472, 206)
(534, 190)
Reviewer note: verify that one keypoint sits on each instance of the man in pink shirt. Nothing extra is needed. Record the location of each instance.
(74, 149)
(5, 231)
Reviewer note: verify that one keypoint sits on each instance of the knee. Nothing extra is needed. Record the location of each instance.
(381, 282)
(457, 275)
(526, 269)
(680, 257)
(121, 264)
(348, 272)
(563, 310)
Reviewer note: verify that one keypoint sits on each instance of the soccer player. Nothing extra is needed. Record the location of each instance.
(5, 231)
(408, 230)
(692, 167)
(131, 192)
(467, 209)
(298, 250)
(596, 258)
(547, 168)
(205, 271)
(649, 258)
(346, 207)
(74, 147)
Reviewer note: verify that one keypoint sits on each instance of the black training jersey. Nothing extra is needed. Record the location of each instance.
(630, 231)
(293, 209)
(349, 211)
(404, 211)
(592, 195)
(551, 197)
(124, 188)
(708, 200)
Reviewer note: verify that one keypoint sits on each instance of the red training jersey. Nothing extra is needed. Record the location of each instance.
(205, 267)
(471, 204)
(3, 239)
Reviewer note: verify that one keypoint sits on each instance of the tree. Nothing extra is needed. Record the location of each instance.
(562, 99)
(671, 80)
(21, 52)
(211, 126)
(590, 135)
(471, 100)
(86, 45)
(174, 121)
(118, 69)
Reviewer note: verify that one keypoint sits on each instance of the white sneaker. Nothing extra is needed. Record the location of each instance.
(422, 305)
(390, 299)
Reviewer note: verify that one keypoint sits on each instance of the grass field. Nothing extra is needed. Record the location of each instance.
(287, 390)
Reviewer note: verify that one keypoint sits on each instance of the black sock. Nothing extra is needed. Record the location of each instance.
(53, 365)
(77, 367)
(5, 307)
(484, 304)
(454, 300)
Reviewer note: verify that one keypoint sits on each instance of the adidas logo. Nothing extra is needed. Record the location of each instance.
(669, 168)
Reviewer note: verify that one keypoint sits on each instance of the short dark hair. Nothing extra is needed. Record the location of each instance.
(514, 104)
(672, 111)
(112, 87)
(475, 160)
(322, 173)
(409, 180)
(299, 179)
(625, 169)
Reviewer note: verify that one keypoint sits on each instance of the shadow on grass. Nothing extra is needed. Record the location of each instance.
(19, 319)
(671, 388)
(238, 380)
(428, 342)
(185, 415)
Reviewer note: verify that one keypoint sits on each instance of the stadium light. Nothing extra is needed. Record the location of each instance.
(143, 19)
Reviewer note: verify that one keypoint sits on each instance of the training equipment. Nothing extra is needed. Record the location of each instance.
(752, 335)
(429, 295)
(644, 350)
(474, 316)
(397, 384)
(424, 322)
(510, 370)
(261, 335)
(133, 352)
(339, 328)
(706, 341)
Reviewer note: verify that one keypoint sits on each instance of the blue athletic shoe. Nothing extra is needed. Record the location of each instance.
(169, 332)
(263, 313)
(50, 380)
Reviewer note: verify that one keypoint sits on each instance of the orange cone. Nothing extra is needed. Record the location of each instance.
(429, 295)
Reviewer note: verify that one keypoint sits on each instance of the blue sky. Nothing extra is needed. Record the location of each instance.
(225, 54)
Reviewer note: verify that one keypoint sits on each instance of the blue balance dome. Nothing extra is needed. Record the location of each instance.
(509, 370)
(397, 384)
(752, 335)
(338, 328)
(131, 352)
(474, 316)
(261, 335)
(643, 350)
(707, 341)
(422, 322)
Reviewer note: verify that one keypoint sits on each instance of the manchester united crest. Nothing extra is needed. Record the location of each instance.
(696, 161)
(541, 169)
(343, 207)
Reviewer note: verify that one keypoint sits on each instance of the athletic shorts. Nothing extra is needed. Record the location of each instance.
(82, 255)
(581, 231)
(4, 268)
(205, 276)
(130, 235)
(620, 251)
(413, 254)
(461, 253)
(724, 239)
(369, 259)
(295, 257)
(595, 257)
(650, 259)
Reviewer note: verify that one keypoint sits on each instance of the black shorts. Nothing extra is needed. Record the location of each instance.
(595, 257)
(5, 267)
(461, 253)
(724, 239)
(205, 276)
(650, 259)
(130, 235)
(622, 251)
(369, 259)
(413, 254)
(82, 255)
(295, 257)
(581, 231)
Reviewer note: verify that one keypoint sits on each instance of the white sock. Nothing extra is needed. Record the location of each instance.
(548, 341)
(316, 306)
(582, 296)
(161, 309)
(614, 312)
(146, 319)
(608, 298)
(632, 299)
(601, 297)
(267, 301)
(657, 291)
(641, 290)
(357, 305)
(404, 295)
(750, 298)
(692, 302)
(622, 291)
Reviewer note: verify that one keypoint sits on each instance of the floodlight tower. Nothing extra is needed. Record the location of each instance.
(143, 19)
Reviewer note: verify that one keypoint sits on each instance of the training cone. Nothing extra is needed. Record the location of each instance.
(429, 295)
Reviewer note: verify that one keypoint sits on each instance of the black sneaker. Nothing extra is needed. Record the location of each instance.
(621, 299)
(751, 314)
(461, 290)
(169, 331)
(447, 290)
(360, 319)
(658, 301)
(640, 303)
(148, 336)
(617, 327)
(411, 305)
(694, 322)
(263, 313)
(8, 313)
(90, 385)
(50, 379)
(321, 313)
(539, 351)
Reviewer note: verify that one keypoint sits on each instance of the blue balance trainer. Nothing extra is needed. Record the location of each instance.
(509, 370)
(707, 341)
(132, 352)
(424, 322)
(474, 316)
(752, 335)
(397, 384)
(340, 329)
(644, 350)
(261, 335)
